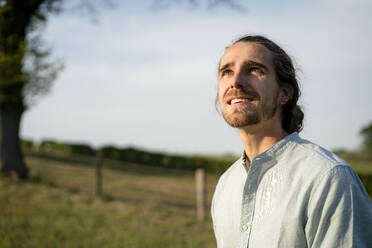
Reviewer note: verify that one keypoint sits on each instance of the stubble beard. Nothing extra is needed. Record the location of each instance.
(244, 116)
(248, 115)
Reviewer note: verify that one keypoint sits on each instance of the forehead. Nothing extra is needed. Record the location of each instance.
(247, 51)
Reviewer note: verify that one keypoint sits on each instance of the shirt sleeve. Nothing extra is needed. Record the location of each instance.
(339, 211)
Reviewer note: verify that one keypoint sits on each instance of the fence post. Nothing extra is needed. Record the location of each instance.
(200, 193)
(99, 173)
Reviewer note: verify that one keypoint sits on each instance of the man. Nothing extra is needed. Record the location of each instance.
(284, 191)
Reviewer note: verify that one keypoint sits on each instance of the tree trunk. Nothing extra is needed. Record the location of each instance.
(11, 154)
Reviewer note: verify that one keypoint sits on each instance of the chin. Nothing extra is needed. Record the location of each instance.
(242, 121)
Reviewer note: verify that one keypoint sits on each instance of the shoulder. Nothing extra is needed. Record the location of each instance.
(329, 177)
(313, 157)
(312, 168)
(317, 152)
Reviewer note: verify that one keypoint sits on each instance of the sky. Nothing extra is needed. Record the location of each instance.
(144, 77)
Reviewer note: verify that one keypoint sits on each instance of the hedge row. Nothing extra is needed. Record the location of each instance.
(165, 160)
(54, 146)
(217, 165)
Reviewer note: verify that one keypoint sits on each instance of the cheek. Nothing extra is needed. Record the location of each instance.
(222, 88)
(269, 88)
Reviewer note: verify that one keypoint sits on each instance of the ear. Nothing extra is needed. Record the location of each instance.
(285, 95)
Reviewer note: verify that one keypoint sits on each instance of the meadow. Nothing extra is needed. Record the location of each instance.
(142, 206)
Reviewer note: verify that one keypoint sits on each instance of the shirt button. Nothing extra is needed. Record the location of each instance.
(244, 227)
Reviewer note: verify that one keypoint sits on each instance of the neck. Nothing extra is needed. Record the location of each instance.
(259, 138)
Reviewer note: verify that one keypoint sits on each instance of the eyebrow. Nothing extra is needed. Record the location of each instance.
(246, 63)
(224, 67)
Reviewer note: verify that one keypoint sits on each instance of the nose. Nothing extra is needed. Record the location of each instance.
(238, 81)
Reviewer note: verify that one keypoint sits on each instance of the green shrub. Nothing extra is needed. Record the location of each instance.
(27, 145)
(51, 145)
(110, 152)
(81, 149)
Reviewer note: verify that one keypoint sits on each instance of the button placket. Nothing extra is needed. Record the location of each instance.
(248, 203)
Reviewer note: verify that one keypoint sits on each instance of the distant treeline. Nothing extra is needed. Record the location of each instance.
(134, 155)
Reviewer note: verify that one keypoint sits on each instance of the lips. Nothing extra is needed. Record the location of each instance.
(235, 96)
(235, 100)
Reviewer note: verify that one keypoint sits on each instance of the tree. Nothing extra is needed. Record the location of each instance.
(22, 63)
(25, 71)
(366, 133)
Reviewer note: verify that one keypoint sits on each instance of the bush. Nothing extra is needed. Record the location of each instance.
(51, 145)
(81, 149)
(27, 145)
(110, 152)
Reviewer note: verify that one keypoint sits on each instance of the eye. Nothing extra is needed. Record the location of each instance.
(255, 70)
(226, 72)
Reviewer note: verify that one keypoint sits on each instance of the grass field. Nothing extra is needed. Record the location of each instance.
(147, 207)
(143, 207)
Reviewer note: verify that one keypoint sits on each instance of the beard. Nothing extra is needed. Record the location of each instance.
(249, 114)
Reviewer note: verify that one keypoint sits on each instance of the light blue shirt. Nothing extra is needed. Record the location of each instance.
(296, 194)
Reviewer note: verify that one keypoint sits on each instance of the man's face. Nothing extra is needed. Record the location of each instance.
(248, 90)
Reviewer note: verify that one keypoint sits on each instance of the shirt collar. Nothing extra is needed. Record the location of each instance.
(276, 150)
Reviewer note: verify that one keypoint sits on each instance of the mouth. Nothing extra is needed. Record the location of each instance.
(239, 100)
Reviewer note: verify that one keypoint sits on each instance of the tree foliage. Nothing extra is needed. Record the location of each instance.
(23, 61)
